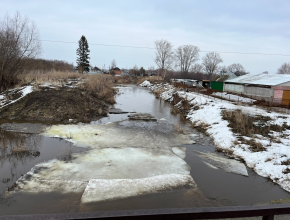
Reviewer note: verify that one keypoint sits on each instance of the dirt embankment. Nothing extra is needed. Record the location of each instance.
(56, 105)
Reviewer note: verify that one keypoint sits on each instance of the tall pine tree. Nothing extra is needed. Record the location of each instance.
(83, 55)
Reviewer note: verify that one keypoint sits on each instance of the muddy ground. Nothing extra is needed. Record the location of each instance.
(56, 105)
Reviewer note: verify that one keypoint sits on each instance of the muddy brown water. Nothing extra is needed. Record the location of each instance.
(215, 187)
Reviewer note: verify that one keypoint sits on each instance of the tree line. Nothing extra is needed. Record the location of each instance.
(184, 59)
(20, 47)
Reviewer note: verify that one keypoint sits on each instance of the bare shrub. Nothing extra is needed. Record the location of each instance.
(19, 42)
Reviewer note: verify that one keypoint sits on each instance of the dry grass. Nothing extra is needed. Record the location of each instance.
(100, 86)
(53, 77)
(286, 162)
(127, 79)
(255, 145)
(179, 128)
(202, 127)
(157, 92)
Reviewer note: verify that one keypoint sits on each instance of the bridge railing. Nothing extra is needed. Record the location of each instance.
(266, 211)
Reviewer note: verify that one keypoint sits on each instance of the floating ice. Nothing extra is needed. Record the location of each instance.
(100, 190)
(228, 165)
(30, 183)
(179, 151)
(113, 163)
(149, 135)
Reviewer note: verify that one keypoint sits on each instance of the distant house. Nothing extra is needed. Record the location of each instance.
(116, 71)
(270, 87)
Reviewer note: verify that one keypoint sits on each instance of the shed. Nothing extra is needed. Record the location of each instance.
(217, 85)
(271, 87)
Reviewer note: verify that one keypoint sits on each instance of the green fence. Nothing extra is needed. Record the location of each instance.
(217, 85)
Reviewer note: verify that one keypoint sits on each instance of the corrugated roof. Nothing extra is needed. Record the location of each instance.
(261, 79)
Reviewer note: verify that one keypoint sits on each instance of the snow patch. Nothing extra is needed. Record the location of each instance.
(146, 83)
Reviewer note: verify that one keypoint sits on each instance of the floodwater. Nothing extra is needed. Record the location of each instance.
(215, 187)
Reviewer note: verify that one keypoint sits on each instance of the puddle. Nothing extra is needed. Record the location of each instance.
(20, 152)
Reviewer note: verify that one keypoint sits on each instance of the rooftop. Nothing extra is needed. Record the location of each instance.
(261, 79)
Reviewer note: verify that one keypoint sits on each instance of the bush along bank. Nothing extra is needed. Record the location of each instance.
(259, 138)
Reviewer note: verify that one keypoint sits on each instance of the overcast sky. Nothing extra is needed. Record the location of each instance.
(248, 26)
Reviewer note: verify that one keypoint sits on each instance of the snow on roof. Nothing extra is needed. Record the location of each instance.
(261, 79)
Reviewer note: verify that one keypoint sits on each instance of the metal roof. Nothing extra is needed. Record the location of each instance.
(261, 79)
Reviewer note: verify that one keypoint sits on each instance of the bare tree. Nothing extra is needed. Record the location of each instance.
(284, 69)
(197, 68)
(236, 67)
(113, 64)
(19, 42)
(164, 55)
(185, 56)
(211, 61)
(150, 70)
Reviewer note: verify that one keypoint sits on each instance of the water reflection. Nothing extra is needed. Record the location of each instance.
(17, 149)
(20, 152)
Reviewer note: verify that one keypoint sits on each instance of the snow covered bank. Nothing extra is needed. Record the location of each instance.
(100, 190)
(146, 83)
(271, 163)
(23, 91)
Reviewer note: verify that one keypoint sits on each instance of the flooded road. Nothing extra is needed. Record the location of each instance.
(215, 186)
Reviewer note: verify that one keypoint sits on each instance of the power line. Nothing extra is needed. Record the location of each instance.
(151, 48)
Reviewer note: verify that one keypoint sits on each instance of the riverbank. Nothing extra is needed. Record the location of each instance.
(247, 133)
(59, 97)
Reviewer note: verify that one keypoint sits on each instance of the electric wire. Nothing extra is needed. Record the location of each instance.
(151, 48)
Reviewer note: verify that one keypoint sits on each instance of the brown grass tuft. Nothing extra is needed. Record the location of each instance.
(53, 77)
(179, 128)
(100, 86)
(157, 92)
(245, 124)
